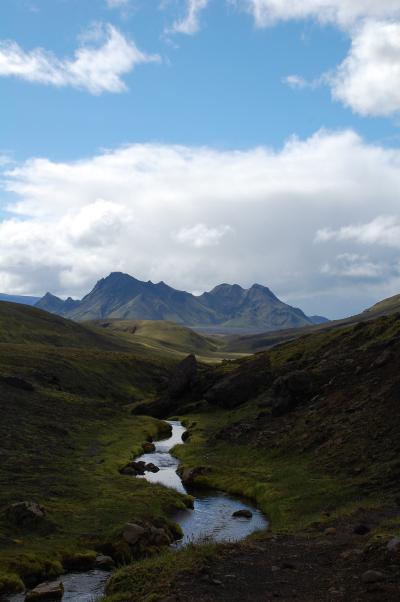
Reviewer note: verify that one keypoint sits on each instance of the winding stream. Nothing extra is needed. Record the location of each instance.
(210, 519)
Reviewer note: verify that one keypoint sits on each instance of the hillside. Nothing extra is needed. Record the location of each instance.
(167, 339)
(65, 430)
(120, 296)
(311, 431)
(254, 343)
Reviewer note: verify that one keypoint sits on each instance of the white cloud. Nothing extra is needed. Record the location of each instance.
(368, 80)
(200, 235)
(195, 217)
(296, 82)
(96, 68)
(340, 12)
(190, 23)
(354, 266)
(383, 230)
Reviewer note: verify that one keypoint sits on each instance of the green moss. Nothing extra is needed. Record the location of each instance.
(150, 579)
(10, 583)
(32, 568)
(287, 488)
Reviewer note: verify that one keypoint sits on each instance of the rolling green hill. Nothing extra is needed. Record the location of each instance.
(168, 339)
(65, 430)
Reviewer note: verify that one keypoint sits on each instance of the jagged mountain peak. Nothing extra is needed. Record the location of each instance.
(122, 296)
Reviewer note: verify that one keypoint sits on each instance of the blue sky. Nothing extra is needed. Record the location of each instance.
(222, 87)
(217, 87)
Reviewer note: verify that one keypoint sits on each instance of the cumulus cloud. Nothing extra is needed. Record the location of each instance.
(339, 12)
(383, 230)
(190, 23)
(195, 217)
(97, 66)
(368, 80)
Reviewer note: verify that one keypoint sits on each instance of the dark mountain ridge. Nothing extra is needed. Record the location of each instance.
(120, 296)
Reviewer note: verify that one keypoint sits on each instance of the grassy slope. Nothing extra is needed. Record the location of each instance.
(165, 338)
(335, 452)
(262, 341)
(62, 444)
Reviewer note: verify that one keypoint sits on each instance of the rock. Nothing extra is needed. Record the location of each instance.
(26, 514)
(290, 390)
(186, 435)
(245, 383)
(183, 378)
(361, 530)
(148, 447)
(151, 467)
(132, 533)
(188, 475)
(104, 563)
(372, 577)
(393, 545)
(18, 383)
(46, 591)
(128, 471)
(242, 513)
(330, 531)
(159, 537)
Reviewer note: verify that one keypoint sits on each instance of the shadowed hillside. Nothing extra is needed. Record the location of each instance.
(65, 430)
(311, 431)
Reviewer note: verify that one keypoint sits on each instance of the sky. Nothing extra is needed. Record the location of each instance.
(200, 142)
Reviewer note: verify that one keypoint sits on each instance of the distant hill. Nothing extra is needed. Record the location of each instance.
(24, 300)
(120, 296)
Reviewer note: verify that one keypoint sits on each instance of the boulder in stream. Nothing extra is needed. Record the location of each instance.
(104, 563)
(188, 475)
(244, 513)
(148, 447)
(46, 591)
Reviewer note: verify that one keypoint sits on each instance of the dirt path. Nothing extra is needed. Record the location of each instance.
(317, 566)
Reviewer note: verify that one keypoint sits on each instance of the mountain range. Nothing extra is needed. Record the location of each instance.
(24, 299)
(120, 296)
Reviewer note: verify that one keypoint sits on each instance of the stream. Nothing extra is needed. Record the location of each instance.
(210, 519)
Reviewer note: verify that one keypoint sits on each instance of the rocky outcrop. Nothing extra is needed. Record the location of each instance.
(290, 390)
(46, 592)
(244, 383)
(26, 514)
(183, 377)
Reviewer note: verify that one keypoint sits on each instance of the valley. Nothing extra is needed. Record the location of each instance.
(289, 429)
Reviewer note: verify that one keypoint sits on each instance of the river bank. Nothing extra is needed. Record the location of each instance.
(211, 518)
